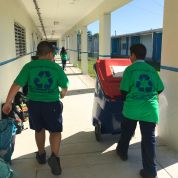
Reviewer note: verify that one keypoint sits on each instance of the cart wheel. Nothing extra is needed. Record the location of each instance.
(98, 132)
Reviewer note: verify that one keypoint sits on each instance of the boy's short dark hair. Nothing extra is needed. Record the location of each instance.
(139, 50)
(43, 48)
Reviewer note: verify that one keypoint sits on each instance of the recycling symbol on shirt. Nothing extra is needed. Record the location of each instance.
(144, 84)
(43, 80)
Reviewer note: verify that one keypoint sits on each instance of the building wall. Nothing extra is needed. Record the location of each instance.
(167, 129)
(148, 42)
(10, 12)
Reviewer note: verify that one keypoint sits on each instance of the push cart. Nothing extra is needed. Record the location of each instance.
(108, 103)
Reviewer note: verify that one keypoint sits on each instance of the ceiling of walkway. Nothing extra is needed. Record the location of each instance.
(59, 16)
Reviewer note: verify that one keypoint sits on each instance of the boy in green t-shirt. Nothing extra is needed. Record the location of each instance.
(140, 86)
(44, 78)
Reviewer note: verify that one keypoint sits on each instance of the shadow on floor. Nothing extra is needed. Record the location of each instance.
(74, 74)
(80, 91)
(82, 155)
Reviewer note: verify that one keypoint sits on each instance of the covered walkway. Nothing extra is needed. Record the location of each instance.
(81, 155)
(24, 23)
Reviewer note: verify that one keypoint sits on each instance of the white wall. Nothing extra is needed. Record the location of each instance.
(147, 41)
(12, 11)
(167, 129)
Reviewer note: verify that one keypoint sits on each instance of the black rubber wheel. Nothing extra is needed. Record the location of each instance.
(98, 132)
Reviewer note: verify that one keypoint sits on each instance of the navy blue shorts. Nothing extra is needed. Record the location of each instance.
(45, 115)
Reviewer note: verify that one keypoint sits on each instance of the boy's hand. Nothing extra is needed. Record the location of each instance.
(63, 92)
(7, 107)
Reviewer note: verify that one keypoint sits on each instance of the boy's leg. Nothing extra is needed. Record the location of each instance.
(55, 140)
(148, 148)
(37, 124)
(54, 160)
(127, 130)
(53, 123)
(40, 141)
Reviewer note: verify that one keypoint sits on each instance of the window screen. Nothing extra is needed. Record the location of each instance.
(20, 40)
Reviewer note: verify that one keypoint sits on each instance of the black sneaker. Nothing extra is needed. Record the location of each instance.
(122, 156)
(54, 163)
(143, 174)
(41, 158)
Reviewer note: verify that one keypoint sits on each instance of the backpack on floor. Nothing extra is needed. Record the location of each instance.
(16, 117)
(7, 138)
(5, 170)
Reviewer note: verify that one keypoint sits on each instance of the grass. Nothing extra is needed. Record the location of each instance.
(91, 71)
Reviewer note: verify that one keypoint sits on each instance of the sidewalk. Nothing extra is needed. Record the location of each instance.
(81, 155)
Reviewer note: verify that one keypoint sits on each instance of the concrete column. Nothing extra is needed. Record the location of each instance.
(70, 48)
(75, 52)
(167, 129)
(105, 36)
(84, 48)
(59, 43)
(63, 42)
(67, 42)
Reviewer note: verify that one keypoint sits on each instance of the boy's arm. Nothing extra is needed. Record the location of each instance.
(63, 92)
(7, 107)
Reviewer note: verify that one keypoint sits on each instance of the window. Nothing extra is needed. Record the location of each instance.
(20, 40)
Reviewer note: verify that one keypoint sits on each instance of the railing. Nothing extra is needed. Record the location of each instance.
(13, 59)
(174, 69)
(86, 52)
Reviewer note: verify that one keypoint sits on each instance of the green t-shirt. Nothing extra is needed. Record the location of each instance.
(44, 78)
(64, 56)
(142, 83)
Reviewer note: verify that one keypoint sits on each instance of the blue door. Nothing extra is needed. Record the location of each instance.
(157, 44)
(116, 48)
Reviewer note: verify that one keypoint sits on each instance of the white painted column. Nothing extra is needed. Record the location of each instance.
(63, 42)
(59, 43)
(75, 53)
(105, 36)
(70, 48)
(168, 126)
(84, 48)
(67, 42)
